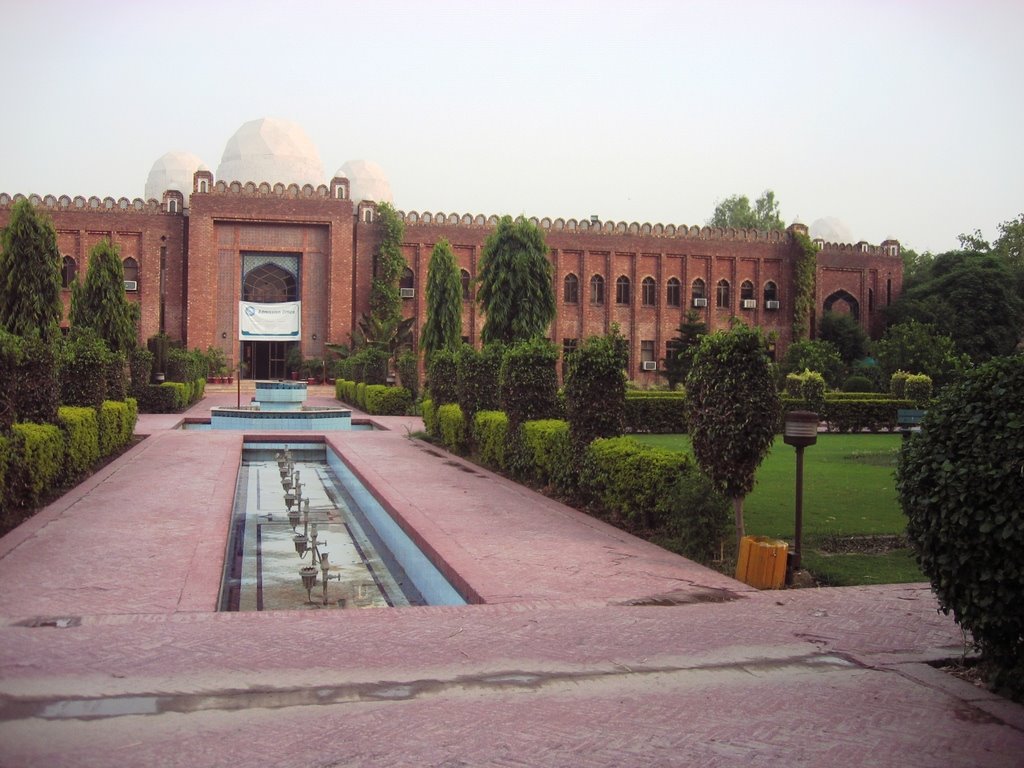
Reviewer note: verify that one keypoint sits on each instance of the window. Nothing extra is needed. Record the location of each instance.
(673, 292)
(771, 292)
(722, 296)
(622, 290)
(464, 278)
(672, 348)
(131, 269)
(203, 186)
(341, 191)
(172, 206)
(368, 215)
(68, 271)
(747, 290)
(697, 291)
(568, 347)
(648, 292)
(647, 352)
(268, 284)
(571, 291)
(597, 290)
(408, 280)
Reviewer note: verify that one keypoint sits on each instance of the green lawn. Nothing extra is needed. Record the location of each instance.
(849, 490)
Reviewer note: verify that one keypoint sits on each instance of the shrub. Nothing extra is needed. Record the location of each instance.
(360, 395)
(595, 388)
(408, 365)
(656, 411)
(655, 489)
(81, 439)
(898, 384)
(442, 378)
(115, 426)
(490, 430)
(918, 388)
(429, 413)
(812, 390)
(387, 401)
(140, 367)
(185, 366)
(453, 427)
(477, 378)
(528, 382)
(117, 377)
(37, 457)
(960, 482)
(858, 384)
(84, 363)
(547, 447)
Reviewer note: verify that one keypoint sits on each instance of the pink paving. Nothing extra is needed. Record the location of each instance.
(112, 654)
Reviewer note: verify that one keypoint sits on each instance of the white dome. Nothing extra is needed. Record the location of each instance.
(271, 150)
(172, 171)
(831, 230)
(367, 181)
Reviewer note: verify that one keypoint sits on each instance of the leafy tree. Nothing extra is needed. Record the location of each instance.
(919, 348)
(516, 292)
(960, 483)
(101, 303)
(820, 356)
(733, 410)
(972, 297)
(681, 348)
(850, 340)
(735, 211)
(1010, 244)
(443, 327)
(30, 265)
(915, 265)
(385, 298)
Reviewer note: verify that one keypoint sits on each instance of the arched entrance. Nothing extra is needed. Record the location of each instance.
(843, 303)
(268, 283)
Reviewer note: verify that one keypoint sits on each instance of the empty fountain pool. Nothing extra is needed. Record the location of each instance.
(306, 534)
(279, 405)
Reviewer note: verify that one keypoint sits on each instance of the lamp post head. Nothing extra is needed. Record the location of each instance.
(801, 429)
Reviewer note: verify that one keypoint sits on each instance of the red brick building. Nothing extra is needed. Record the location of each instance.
(193, 255)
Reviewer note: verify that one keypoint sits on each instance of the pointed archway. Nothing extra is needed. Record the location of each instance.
(843, 302)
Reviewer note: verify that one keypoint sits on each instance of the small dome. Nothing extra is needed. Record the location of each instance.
(831, 230)
(367, 181)
(172, 171)
(271, 150)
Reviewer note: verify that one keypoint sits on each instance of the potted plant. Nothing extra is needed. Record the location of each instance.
(293, 362)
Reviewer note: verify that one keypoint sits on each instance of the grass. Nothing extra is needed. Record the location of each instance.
(849, 491)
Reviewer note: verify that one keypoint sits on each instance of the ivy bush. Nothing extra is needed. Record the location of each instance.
(960, 483)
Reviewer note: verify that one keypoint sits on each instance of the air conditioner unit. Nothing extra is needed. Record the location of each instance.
(771, 305)
(131, 285)
(407, 293)
(700, 302)
(649, 365)
(750, 303)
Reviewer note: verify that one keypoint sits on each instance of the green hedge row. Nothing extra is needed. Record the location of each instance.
(656, 411)
(35, 457)
(849, 415)
(452, 427)
(374, 399)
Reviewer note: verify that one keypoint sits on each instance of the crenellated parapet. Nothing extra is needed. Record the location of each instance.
(84, 204)
(265, 189)
(594, 226)
(887, 248)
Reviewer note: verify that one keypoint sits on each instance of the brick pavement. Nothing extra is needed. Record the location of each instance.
(559, 666)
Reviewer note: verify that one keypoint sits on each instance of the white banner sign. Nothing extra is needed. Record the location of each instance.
(269, 322)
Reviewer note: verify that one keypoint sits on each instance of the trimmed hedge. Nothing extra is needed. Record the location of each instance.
(490, 429)
(116, 421)
(528, 382)
(656, 411)
(382, 400)
(429, 413)
(548, 453)
(453, 427)
(81, 437)
(37, 459)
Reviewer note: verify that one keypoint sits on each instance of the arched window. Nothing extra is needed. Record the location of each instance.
(203, 187)
(172, 206)
(722, 295)
(68, 271)
(571, 289)
(408, 279)
(464, 277)
(747, 290)
(622, 290)
(673, 292)
(698, 293)
(131, 271)
(269, 284)
(771, 293)
(648, 292)
(597, 290)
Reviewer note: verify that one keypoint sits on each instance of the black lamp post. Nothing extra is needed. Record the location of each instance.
(801, 430)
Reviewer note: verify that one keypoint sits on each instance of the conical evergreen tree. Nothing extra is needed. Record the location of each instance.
(101, 303)
(443, 327)
(516, 293)
(30, 265)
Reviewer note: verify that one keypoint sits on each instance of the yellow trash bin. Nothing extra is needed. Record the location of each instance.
(762, 562)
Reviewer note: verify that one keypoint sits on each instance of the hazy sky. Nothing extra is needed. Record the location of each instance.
(901, 119)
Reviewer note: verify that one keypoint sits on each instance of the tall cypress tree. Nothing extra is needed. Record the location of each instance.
(516, 292)
(385, 298)
(443, 327)
(101, 303)
(30, 266)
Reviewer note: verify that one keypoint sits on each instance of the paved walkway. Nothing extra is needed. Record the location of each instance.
(585, 646)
